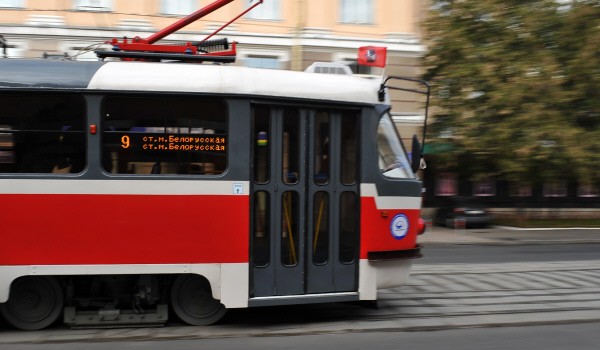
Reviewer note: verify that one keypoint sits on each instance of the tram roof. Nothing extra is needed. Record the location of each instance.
(186, 77)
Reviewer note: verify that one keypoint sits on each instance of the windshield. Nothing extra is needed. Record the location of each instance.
(393, 161)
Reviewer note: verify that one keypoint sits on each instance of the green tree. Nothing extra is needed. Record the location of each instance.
(516, 87)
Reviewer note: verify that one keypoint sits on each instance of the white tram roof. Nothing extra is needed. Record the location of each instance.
(222, 79)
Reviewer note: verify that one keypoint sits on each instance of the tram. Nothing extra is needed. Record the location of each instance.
(135, 191)
(127, 188)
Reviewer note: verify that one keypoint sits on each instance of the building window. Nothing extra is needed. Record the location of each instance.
(178, 7)
(446, 185)
(12, 3)
(42, 133)
(484, 188)
(356, 11)
(262, 62)
(588, 190)
(270, 9)
(164, 134)
(520, 189)
(351, 61)
(92, 5)
(555, 189)
(360, 69)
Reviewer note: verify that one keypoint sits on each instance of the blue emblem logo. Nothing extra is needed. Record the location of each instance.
(399, 226)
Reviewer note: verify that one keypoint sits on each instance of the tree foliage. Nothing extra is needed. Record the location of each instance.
(516, 87)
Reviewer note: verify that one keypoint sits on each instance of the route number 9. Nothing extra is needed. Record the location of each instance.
(125, 142)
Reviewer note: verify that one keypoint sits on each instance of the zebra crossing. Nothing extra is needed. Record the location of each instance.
(461, 295)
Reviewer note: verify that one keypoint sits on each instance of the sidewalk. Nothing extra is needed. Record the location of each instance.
(497, 235)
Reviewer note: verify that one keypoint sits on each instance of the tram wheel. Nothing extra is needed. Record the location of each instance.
(192, 301)
(35, 303)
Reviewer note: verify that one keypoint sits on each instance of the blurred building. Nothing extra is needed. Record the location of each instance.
(278, 34)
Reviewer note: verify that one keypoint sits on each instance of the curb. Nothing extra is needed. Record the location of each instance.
(514, 228)
(512, 242)
(507, 235)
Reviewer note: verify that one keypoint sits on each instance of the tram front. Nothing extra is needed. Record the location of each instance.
(390, 207)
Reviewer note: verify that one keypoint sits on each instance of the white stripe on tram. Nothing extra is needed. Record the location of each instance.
(130, 187)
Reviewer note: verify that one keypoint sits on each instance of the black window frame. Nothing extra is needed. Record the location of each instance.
(166, 103)
(43, 132)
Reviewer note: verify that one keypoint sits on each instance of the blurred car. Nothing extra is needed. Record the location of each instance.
(462, 211)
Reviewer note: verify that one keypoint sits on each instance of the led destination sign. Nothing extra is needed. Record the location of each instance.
(174, 142)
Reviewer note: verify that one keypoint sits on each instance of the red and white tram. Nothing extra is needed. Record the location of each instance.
(131, 188)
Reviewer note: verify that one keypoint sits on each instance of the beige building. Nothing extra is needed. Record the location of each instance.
(279, 34)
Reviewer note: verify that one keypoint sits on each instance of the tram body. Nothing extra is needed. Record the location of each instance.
(131, 188)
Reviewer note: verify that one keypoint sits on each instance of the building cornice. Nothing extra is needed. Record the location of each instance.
(309, 39)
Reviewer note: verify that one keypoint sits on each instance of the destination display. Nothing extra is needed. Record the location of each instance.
(174, 142)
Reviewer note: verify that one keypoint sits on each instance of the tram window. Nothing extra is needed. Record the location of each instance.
(393, 161)
(262, 145)
(291, 147)
(164, 134)
(321, 228)
(261, 245)
(42, 133)
(322, 145)
(349, 150)
(289, 228)
(348, 227)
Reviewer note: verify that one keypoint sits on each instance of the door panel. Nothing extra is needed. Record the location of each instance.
(304, 201)
(333, 167)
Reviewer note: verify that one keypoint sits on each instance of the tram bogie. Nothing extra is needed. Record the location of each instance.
(116, 300)
(37, 302)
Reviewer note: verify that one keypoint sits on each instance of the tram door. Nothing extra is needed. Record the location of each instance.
(305, 201)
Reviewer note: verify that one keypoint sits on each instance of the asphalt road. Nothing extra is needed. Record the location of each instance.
(548, 337)
(476, 254)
